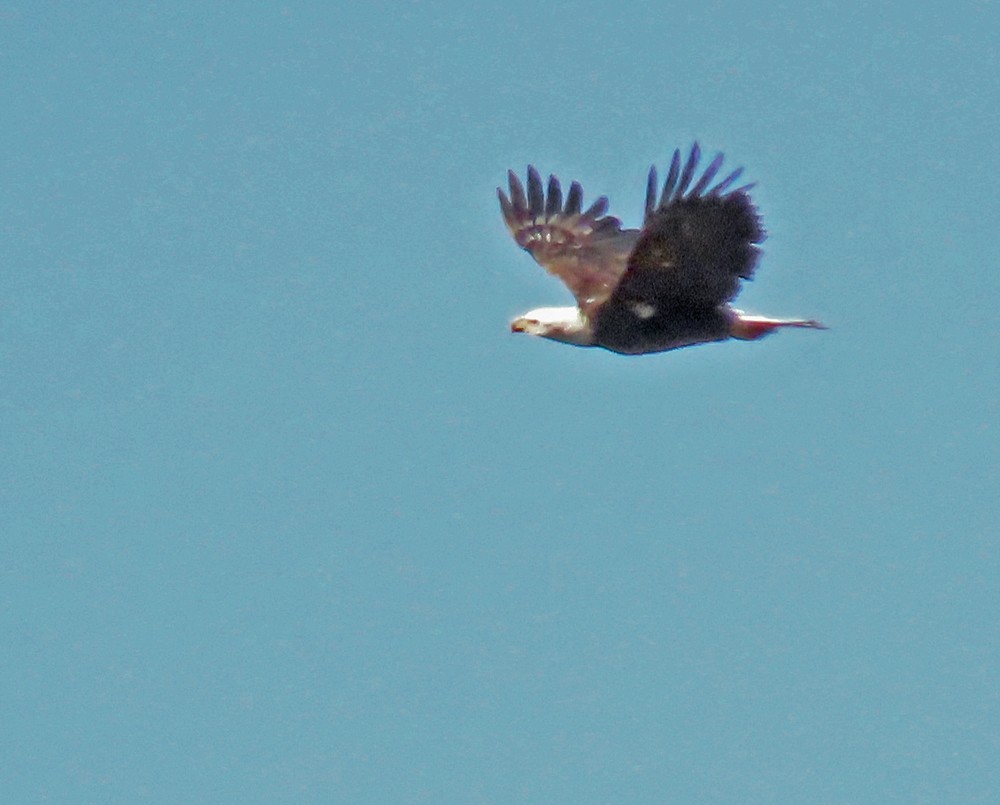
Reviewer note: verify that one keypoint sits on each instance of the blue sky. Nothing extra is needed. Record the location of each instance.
(288, 515)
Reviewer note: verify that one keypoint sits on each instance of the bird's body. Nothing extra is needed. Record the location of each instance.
(665, 286)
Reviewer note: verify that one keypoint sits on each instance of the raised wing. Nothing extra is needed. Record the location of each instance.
(696, 243)
(587, 250)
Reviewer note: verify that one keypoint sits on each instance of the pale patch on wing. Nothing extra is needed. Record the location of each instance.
(643, 310)
(587, 250)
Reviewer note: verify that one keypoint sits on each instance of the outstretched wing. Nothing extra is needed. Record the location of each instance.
(587, 250)
(696, 244)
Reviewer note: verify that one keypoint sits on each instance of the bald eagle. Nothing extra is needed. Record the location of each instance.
(665, 286)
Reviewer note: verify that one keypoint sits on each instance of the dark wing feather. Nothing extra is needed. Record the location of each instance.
(587, 250)
(696, 245)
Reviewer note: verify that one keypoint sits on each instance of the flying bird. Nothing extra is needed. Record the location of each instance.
(665, 286)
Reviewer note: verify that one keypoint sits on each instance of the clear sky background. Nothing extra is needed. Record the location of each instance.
(288, 515)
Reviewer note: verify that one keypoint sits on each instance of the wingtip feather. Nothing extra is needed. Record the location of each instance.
(536, 196)
(672, 174)
(651, 182)
(689, 169)
(707, 176)
(517, 198)
(574, 199)
(722, 186)
(553, 201)
(598, 208)
(506, 207)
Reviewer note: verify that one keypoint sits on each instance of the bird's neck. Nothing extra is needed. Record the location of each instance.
(572, 328)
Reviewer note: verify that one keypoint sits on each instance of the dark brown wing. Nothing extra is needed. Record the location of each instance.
(696, 244)
(587, 250)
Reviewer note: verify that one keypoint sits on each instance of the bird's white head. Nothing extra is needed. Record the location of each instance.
(565, 324)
